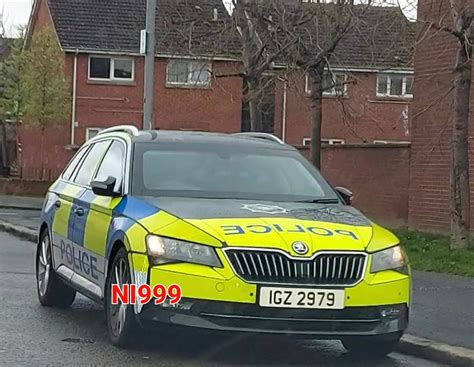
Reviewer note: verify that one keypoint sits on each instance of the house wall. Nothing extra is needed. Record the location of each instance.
(105, 104)
(358, 117)
(432, 118)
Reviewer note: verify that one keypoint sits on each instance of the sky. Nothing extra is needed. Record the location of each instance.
(17, 12)
(14, 13)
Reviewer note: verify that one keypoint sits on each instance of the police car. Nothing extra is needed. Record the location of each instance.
(249, 230)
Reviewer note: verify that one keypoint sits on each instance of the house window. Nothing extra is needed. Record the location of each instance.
(334, 84)
(394, 85)
(188, 73)
(307, 142)
(92, 132)
(111, 68)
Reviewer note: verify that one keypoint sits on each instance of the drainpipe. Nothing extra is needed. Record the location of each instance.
(74, 100)
(285, 100)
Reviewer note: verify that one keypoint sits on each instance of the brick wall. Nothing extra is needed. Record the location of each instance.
(23, 187)
(44, 160)
(432, 118)
(378, 176)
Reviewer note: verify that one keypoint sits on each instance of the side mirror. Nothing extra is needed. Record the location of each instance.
(105, 188)
(345, 194)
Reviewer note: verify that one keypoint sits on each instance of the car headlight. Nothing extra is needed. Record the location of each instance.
(164, 250)
(393, 258)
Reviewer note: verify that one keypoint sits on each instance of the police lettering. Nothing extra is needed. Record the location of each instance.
(80, 260)
(297, 228)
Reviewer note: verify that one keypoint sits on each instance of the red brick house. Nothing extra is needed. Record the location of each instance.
(101, 39)
(432, 120)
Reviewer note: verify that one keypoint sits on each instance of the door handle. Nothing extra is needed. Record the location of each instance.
(79, 212)
(57, 204)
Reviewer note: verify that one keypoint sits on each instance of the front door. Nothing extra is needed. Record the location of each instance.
(96, 226)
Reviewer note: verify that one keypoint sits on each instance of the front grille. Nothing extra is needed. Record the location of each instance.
(274, 267)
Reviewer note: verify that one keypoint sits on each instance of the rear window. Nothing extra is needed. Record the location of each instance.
(68, 173)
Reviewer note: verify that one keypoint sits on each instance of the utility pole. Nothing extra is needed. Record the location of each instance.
(148, 47)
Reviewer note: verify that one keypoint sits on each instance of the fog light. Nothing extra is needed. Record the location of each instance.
(393, 313)
(182, 306)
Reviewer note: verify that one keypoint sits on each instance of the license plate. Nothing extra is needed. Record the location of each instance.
(301, 298)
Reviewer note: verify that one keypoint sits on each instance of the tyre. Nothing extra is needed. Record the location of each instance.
(121, 322)
(52, 291)
(371, 347)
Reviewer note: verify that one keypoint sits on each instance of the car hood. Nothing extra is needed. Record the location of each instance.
(246, 223)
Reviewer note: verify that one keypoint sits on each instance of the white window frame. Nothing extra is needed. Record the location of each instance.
(307, 141)
(189, 83)
(332, 92)
(389, 81)
(90, 129)
(388, 142)
(112, 68)
(333, 141)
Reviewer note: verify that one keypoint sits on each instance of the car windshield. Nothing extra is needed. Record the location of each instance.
(222, 172)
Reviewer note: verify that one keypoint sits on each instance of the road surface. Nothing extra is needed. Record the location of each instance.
(25, 218)
(33, 335)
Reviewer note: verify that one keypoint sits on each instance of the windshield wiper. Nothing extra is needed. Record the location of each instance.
(320, 201)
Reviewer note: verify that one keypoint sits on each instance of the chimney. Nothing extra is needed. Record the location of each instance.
(215, 15)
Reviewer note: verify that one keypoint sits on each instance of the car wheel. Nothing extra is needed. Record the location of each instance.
(371, 347)
(52, 291)
(121, 321)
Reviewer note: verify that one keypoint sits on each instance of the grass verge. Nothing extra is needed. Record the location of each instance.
(431, 252)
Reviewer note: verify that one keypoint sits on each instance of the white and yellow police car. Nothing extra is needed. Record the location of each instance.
(249, 230)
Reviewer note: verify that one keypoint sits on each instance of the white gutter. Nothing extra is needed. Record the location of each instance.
(361, 70)
(285, 99)
(74, 100)
(159, 55)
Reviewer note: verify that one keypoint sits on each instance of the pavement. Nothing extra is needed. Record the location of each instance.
(443, 308)
(442, 317)
(21, 211)
(20, 202)
(32, 335)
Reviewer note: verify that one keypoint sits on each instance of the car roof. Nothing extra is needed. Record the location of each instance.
(262, 140)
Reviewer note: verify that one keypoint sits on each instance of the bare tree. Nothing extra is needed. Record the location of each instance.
(321, 30)
(239, 36)
(463, 20)
(259, 54)
(273, 39)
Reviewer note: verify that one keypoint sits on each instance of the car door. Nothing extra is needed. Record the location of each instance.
(83, 178)
(58, 211)
(99, 220)
(86, 269)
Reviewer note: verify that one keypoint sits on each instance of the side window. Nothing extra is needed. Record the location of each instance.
(90, 163)
(71, 168)
(112, 164)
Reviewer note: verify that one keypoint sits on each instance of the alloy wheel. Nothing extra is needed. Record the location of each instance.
(44, 266)
(118, 312)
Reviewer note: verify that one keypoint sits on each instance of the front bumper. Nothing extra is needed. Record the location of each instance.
(327, 324)
(216, 299)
